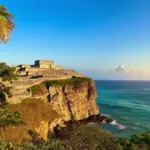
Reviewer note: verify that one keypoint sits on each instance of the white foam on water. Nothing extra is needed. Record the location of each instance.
(114, 122)
(119, 126)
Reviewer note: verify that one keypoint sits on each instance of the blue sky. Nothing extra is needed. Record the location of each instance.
(105, 39)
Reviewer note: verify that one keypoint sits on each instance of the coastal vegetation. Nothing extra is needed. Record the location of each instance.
(83, 137)
(7, 73)
(38, 90)
(8, 118)
(136, 142)
(6, 24)
(73, 81)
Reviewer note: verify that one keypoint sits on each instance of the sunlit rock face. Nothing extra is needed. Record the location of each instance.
(74, 102)
(51, 103)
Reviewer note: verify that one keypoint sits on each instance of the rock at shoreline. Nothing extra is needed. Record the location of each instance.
(91, 119)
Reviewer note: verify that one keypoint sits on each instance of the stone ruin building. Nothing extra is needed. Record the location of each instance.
(46, 64)
(47, 69)
(40, 65)
(31, 75)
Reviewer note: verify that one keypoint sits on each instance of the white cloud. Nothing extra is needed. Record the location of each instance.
(119, 73)
(133, 74)
(121, 69)
(124, 70)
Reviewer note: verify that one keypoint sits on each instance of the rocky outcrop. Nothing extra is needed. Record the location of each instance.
(52, 103)
(74, 102)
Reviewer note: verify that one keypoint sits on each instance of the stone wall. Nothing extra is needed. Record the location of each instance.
(43, 63)
(57, 67)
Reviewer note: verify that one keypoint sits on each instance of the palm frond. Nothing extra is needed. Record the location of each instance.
(6, 14)
(6, 27)
(3, 8)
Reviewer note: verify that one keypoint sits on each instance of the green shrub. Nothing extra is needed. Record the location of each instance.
(7, 91)
(7, 73)
(5, 146)
(2, 99)
(39, 89)
(90, 138)
(8, 118)
(136, 142)
(55, 144)
(72, 81)
(26, 146)
(81, 138)
(3, 96)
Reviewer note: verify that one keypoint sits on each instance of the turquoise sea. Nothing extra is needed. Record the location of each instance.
(128, 103)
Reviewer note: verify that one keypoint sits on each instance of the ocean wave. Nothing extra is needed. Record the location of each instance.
(128, 126)
(114, 122)
(127, 105)
(119, 126)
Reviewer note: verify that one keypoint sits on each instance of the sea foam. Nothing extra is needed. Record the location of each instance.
(119, 126)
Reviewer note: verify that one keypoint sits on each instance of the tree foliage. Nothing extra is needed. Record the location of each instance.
(84, 138)
(6, 24)
(8, 118)
(136, 142)
(90, 138)
(6, 72)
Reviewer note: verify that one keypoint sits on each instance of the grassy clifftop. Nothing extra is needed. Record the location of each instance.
(72, 81)
(40, 89)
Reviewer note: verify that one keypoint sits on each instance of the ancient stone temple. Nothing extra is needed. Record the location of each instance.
(44, 64)
(39, 65)
(45, 69)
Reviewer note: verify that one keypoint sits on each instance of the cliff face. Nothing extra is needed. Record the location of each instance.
(74, 102)
(71, 99)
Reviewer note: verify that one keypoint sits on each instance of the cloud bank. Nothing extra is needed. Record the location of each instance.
(119, 73)
(133, 74)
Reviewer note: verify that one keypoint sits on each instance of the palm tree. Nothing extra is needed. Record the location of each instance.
(6, 24)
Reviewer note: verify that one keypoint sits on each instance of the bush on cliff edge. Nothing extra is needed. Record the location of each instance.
(7, 73)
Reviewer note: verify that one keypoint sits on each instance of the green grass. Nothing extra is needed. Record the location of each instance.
(39, 89)
(72, 81)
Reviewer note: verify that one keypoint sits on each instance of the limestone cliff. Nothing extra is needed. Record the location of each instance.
(52, 103)
(73, 98)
